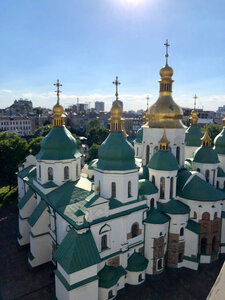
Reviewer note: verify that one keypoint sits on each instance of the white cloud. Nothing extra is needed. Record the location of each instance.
(6, 91)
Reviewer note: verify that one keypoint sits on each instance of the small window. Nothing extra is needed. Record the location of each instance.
(203, 245)
(77, 170)
(135, 230)
(129, 189)
(66, 173)
(180, 257)
(50, 173)
(104, 242)
(153, 179)
(160, 264)
(152, 203)
(217, 184)
(178, 155)
(113, 192)
(39, 171)
(171, 187)
(182, 231)
(147, 154)
(110, 294)
(195, 215)
(198, 170)
(162, 188)
(215, 215)
(206, 216)
(140, 278)
(207, 175)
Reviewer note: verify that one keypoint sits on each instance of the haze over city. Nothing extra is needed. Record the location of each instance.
(85, 44)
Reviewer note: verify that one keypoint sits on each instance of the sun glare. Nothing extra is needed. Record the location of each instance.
(132, 2)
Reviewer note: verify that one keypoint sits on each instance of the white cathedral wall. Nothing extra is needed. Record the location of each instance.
(21, 188)
(121, 178)
(223, 236)
(167, 175)
(222, 161)
(176, 223)
(203, 206)
(62, 228)
(132, 277)
(203, 167)
(153, 231)
(151, 137)
(138, 148)
(191, 245)
(220, 182)
(189, 151)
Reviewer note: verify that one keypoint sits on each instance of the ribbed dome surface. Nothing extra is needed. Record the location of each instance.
(193, 136)
(206, 155)
(116, 153)
(219, 142)
(164, 161)
(59, 144)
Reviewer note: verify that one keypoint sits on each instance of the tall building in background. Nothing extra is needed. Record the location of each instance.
(99, 106)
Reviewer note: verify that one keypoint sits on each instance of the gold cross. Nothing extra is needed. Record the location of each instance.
(116, 82)
(195, 97)
(147, 101)
(58, 91)
(167, 45)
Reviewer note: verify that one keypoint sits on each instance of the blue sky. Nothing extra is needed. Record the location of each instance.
(86, 43)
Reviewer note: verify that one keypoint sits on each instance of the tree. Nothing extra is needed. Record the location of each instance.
(93, 152)
(92, 124)
(34, 145)
(13, 150)
(43, 130)
(213, 130)
(97, 135)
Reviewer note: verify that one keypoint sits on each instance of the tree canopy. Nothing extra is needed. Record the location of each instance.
(213, 130)
(97, 135)
(34, 145)
(93, 152)
(92, 124)
(43, 130)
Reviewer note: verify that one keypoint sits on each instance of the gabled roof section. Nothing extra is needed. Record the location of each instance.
(37, 213)
(193, 226)
(154, 216)
(200, 190)
(25, 198)
(77, 252)
(174, 207)
(29, 171)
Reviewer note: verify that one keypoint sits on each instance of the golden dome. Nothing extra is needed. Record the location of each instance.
(116, 110)
(58, 109)
(166, 71)
(194, 117)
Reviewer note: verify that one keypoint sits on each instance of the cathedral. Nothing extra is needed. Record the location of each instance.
(136, 211)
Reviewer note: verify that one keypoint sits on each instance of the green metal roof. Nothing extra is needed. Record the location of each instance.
(193, 226)
(143, 173)
(139, 136)
(92, 164)
(193, 136)
(219, 142)
(49, 184)
(146, 187)
(164, 161)
(188, 164)
(109, 276)
(116, 153)
(77, 252)
(137, 262)
(37, 213)
(154, 216)
(25, 198)
(206, 155)
(26, 172)
(182, 177)
(59, 144)
(200, 190)
(220, 172)
(174, 207)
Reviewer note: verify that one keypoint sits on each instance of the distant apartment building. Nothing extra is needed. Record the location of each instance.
(132, 125)
(21, 106)
(220, 111)
(205, 116)
(99, 106)
(19, 125)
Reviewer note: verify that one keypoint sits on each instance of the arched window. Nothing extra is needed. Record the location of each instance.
(214, 244)
(206, 216)
(39, 171)
(110, 294)
(178, 154)
(203, 245)
(147, 154)
(135, 230)
(104, 242)
(217, 184)
(214, 176)
(66, 173)
(113, 190)
(207, 175)
(180, 257)
(171, 187)
(182, 231)
(162, 188)
(50, 173)
(129, 189)
(195, 215)
(159, 264)
(215, 215)
(76, 170)
(140, 278)
(153, 179)
(137, 151)
(198, 170)
(152, 202)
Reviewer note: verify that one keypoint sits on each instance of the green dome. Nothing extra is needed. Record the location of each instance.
(116, 153)
(193, 136)
(109, 276)
(219, 142)
(174, 207)
(206, 155)
(139, 136)
(154, 216)
(164, 161)
(146, 187)
(59, 144)
(137, 262)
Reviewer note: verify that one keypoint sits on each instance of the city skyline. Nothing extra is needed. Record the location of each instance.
(86, 45)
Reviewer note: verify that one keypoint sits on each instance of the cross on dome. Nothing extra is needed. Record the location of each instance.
(195, 98)
(147, 98)
(167, 46)
(57, 84)
(116, 82)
